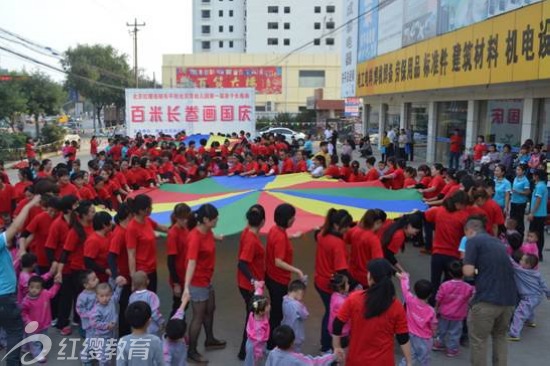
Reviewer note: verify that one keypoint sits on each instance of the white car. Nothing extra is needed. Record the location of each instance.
(286, 132)
(72, 137)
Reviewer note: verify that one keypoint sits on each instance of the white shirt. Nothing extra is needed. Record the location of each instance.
(328, 134)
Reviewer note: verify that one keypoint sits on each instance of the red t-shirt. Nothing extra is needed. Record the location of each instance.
(93, 147)
(7, 197)
(56, 239)
(202, 249)
(252, 252)
(87, 194)
(330, 258)
(356, 177)
(74, 245)
(236, 169)
(409, 182)
(365, 246)
(67, 190)
(372, 174)
(278, 246)
(449, 230)
(398, 180)
(345, 172)
(438, 182)
(252, 166)
(121, 179)
(479, 149)
(373, 340)
(426, 181)
(141, 237)
(397, 242)
(288, 166)
(456, 143)
(29, 149)
(96, 247)
(176, 244)
(450, 188)
(301, 167)
(19, 190)
(40, 227)
(117, 246)
(383, 228)
(494, 215)
(332, 171)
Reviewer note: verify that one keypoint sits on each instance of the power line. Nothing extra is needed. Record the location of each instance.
(43, 64)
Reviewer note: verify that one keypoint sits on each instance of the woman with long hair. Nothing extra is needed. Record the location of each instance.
(96, 246)
(376, 317)
(251, 266)
(176, 251)
(279, 259)
(73, 257)
(521, 190)
(330, 258)
(201, 260)
(503, 189)
(538, 208)
(25, 180)
(394, 238)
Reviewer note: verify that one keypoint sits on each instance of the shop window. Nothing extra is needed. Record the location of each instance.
(273, 9)
(272, 41)
(331, 9)
(272, 25)
(205, 14)
(450, 116)
(311, 79)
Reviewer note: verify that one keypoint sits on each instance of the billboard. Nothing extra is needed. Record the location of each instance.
(349, 48)
(265, 80)
(496, 7)
(504, 49)
(419, 20)
(390, 26)
(351, 107)
(170, 111)
(455, 14)
(368, 30)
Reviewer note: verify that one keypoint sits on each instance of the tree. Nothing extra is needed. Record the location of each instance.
(98, 73)
(44, 96)
(12, 101)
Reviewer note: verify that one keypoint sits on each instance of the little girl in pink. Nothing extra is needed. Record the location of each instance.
(530, 244)
(28, 263)
(340, 285)
(257, 327)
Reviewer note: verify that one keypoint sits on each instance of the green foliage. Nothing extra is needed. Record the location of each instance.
(51, 132)
(12, 140)
(12, 101)
(283, 117)
(44, 96)
(102, 65)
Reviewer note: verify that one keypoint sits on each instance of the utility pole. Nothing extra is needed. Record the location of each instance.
(135, 31)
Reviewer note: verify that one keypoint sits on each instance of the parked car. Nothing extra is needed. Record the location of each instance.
(286, 132)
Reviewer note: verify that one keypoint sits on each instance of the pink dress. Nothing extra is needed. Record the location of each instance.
(336, 301)
(530, 248)
(257, 331)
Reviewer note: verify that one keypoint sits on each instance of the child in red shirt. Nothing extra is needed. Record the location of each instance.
(372, 172)
(273, 164)
(424, 176)
(345, 170)
(356, 175)
(251, 167)
(288, 164)
(301, 165)
(333, 170)
(410, 175)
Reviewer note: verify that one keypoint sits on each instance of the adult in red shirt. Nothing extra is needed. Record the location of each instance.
(118, 262)
(25, 180)
(365, 246)
(36, 234)
(7, 202)
(66, 188)
(251, 267)
(479, 148)
(330, 258)
(484, 205)
(333, 170)
(141, 241)
(395, 177)
(73, 256)
(30, 149)
(436, 183)
(376, 317)
(449, 221)
(372, 172)
(54, 248)
(452, 185)
(96, 246)
(94, 144)
(201, 260)
(455, 149)
(45, 169)
(279, 258)
(176, 250)
(395, 236)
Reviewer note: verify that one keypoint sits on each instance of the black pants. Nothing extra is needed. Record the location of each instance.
(411, 152)
(153, 280)
(70, 289)
(12, 323)
(537, 225)
(439, 267)
(326, 339)
(247, 297)
(123, 326)
(276, 292)
(428, 234)
(517, 212)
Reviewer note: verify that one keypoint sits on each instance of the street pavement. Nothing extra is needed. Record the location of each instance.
(230, 316)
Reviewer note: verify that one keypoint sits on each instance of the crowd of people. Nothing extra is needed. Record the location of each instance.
(67, 263)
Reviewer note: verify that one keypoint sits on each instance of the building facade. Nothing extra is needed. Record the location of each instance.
(266, 26)
(281, 86)
(481, 67)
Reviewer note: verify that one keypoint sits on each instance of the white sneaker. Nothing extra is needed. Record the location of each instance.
(54, 322)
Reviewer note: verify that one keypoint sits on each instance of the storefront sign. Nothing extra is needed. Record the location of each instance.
(351, 107)
(170, 111)
(390, 26)
(509, 48)
(455, 14)
(266, 80)
(419, 20)
(497, 7)
(349, 48)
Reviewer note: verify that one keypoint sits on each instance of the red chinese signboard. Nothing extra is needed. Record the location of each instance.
(266, 80)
